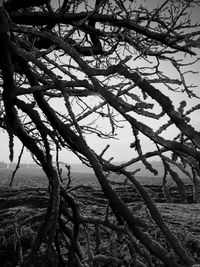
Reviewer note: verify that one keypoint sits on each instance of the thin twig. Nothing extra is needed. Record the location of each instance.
(17, 166)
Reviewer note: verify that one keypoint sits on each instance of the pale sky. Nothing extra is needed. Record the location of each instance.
(120, 149)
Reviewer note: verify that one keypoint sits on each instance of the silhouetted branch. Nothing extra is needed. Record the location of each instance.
(17, 166)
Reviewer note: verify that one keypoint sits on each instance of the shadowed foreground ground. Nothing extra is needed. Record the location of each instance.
(22, 209)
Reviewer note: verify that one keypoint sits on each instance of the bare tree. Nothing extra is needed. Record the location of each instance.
(129, 58)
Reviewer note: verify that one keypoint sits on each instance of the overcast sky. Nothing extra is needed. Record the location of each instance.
(119, 148)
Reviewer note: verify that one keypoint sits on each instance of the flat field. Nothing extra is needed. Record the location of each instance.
(28, 196)
(35, 177)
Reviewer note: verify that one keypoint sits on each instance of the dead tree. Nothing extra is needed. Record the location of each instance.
(120, 55)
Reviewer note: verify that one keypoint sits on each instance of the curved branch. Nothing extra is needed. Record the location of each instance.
(40, 18)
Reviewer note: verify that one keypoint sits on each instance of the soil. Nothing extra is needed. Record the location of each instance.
(21, 210)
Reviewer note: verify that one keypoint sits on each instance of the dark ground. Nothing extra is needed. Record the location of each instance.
(22, 207)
